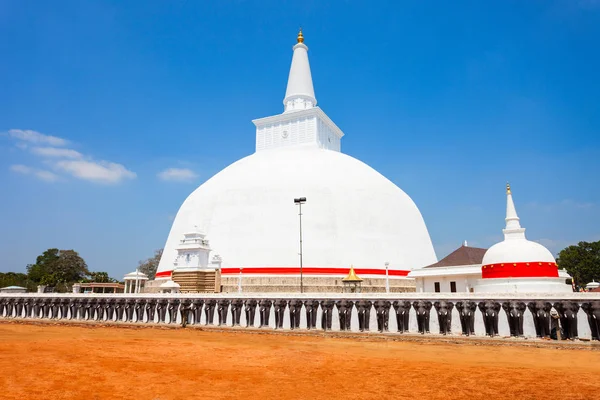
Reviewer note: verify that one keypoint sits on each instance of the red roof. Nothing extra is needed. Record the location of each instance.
(464, 255)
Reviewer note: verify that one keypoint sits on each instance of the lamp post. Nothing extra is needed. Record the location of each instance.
(387, 278)
(240, 281)
(300, 201)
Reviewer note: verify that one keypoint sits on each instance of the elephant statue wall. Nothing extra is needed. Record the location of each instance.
(311, 307)
(514, 312)
(197, 305)
(140, 305)
(64, 308)
(541, 317)
(209, 310)
(592, 310)
(27, 307)
(236, 311)
(326, 316)
(54, 307)
(490, 309)
(250, 311)
(264, 312)
(151, 304)
(2, 307)
(422, 308)
(129, 309)
(37, 306)
(444, 308)
(280, 306)
(173, 307)
(344, 308)
(382, 310)
(363, 308)
(402, 308)
(295, 307)
(222, 308)
(567, 310)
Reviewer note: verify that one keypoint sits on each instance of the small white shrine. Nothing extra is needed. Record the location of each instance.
(135, 281)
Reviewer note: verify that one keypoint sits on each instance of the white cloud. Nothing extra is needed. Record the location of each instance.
(56, 152)
(101, 171)
(38, 173)
(36, 137)
(177, 175)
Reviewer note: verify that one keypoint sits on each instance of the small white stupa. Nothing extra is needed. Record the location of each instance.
(517, 264)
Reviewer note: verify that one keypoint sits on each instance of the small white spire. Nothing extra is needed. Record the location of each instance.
(465, 244)
(300, 93)
(513, 226)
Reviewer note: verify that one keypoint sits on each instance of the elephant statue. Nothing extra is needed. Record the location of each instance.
(2, 306)
(37, 307)
(466, 311)
(19, 307)
(326, 317)
(236, 311)
(161, 309)
(184, 310)
(382, 310)
(90, 308)
(422, 308)
(173, 307)
(363, 308)
(444, 308)
(197, 305)
(109, 309)
(264, 312)
(9, 306)
(209, 310)
(279, 305)
(129, 309)
(311, 307)
(514, 312)
(250, 311)
(151, 304)
(344, 308)
(120, 309)
(64, 307)
(140, 305)
(46, 303)
(592, 310)
(402, 308)
(567, 310)
(222, 308)
(27, 307)
(100, 308)
(489, 309)
(54, 307)
(295, 307)
(81, 308)
(541, 317)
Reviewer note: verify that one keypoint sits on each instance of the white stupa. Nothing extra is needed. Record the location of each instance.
(353, 215)
(517, 265)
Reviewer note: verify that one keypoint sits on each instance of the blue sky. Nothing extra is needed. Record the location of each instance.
(112, 112)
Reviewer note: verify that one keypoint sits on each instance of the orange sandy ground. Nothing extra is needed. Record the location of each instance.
(67, 362)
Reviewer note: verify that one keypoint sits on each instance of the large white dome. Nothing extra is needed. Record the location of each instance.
(353, 215)
(517, 251)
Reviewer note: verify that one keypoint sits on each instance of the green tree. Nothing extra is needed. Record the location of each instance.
(582, 262)
(58, 268)
(100, 277)
(150, 265)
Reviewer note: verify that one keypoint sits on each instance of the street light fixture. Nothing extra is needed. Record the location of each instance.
(300, 201)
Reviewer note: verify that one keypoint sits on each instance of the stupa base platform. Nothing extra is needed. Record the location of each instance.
(311, 284)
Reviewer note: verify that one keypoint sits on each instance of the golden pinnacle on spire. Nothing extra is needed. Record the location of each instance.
(508, 188)
(352, 277)
(300, 36)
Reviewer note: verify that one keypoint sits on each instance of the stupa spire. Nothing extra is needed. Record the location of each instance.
(513, 225)
(300, 93)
